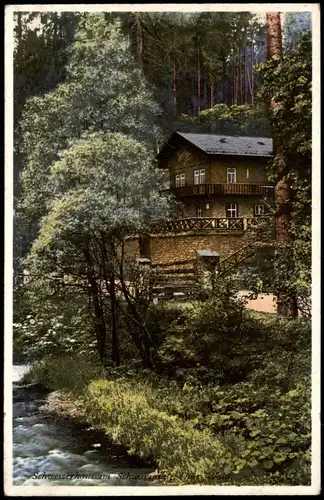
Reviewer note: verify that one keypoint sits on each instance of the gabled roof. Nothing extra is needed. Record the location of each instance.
(230, 145)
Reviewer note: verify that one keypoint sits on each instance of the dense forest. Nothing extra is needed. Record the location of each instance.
(191, 61)
(95, 97)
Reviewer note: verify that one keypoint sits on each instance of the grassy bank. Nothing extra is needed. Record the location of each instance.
(252, 432)
(228, 400)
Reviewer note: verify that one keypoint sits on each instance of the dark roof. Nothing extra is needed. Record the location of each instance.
(230, 145)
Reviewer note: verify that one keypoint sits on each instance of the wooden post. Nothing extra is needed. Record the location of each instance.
(144, 242)
(206, 267)
(144, 263)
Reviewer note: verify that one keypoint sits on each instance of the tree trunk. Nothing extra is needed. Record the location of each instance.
(205, 92)
(246, 96)
(224, 80)
(241, 77)
(115, 355)
(143, 340)
(212, 89)
(233, 83)
(19, 27)
(100, 325)
(252, 73)
(174, 88)
(139, 39)
(198, 84)
(286, 304)
(237, 85)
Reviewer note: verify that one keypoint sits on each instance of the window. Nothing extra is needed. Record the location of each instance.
(247, 173)
(199, 212)
(231, 175)
(231, 210)
(199, 176)
(258, 210)
(180, 180)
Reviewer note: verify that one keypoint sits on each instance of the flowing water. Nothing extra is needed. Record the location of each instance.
(53, 451)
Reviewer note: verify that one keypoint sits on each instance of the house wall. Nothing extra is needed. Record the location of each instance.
(187, 160)
(217, 206)
(256, 171)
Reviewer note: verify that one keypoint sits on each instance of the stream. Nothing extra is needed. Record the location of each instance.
(49, 450)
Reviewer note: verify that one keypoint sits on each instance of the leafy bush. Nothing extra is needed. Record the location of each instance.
(262, 435)
(268, 429)
(66, 372)
(252, 432)
(219, 340)
(59, 327)
(184, 454)
(231, 404)
(159, 318)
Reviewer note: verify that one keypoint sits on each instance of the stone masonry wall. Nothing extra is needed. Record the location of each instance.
(184, 246)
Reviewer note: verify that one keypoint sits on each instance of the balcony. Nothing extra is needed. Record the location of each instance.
(212, 224)
(223, 190)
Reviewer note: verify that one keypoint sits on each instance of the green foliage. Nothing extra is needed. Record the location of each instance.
(59, 327)
(243, 119)
(103, 91)
(90, 176)
(159, 318)
(172, 47)
(71, 373)
(219, 340)
(266, 424)
(295, 24)
(289, 84)
(255, 432)
(183, 454)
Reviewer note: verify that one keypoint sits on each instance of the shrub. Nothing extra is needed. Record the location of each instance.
(61, 327)
(67, 372)
(219, 340)
(241, 434)
(159, 318)
(252, 432)
(266, 428)
(184, 454)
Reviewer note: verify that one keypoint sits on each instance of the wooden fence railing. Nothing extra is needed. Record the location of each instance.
(223, 189)
(236, 258)
(208, 224)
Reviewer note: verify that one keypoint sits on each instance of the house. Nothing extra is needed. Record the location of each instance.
(218, 176)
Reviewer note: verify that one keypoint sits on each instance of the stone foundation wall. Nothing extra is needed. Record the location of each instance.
(184, 246)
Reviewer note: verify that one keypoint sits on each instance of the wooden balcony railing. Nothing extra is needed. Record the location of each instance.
(198, 224)
(223, 189)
